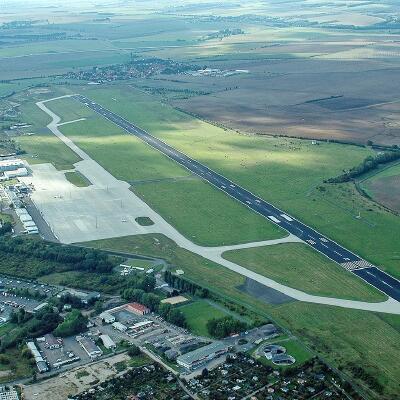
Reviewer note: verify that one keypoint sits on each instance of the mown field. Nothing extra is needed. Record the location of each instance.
(287, 172)
(341, 336)
(294, 348)
(197, 315)
(299, 266)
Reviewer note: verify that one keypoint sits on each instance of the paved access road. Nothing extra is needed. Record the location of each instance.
(329, 248)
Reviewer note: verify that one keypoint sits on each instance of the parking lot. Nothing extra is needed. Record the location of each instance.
(19, 293)
(69, 354)
(14, 301)
(17, 283)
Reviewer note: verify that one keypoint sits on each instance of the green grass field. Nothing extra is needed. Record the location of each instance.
(204, 214)
(284, 171)
(43, 146)
(198, 314)
(77, 179)
(341, 336)
(293, 348)
(298, 266)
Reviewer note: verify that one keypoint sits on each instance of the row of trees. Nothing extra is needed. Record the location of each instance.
(184, 285)
(369, 164)
(79, 258)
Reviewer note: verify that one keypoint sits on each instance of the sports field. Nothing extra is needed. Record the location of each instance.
(298, 266)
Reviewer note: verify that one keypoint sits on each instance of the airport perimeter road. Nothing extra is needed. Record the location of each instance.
(331, 249)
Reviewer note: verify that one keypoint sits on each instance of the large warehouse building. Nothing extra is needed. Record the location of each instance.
(197, 358)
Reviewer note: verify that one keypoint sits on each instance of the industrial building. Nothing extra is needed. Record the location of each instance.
(11, 165)
(90, 347)
(107, 318)
(137, 308)
(140, 326)
(108, 342)
(85, 297)
(41, 364)
(119, 327)
(16, 173)
(199, 357)
(51, 342)
(26, 220)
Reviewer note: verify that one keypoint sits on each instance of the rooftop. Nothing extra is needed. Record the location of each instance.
(202, 353)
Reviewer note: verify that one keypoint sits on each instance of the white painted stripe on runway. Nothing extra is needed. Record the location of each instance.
(287, 217)
(272, 218)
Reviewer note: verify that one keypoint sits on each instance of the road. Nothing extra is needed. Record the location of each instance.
(347, 259)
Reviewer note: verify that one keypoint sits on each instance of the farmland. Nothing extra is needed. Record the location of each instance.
(384, 187)
(278, 97)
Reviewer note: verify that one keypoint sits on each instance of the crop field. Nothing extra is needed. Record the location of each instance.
(335, 71)
(298, 266)
(342, 336)
(287, 172)
(384, 187)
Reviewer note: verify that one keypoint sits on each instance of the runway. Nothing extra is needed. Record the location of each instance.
(347, 259)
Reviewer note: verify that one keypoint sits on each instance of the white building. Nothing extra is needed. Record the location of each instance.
(16, 173)
(119, 327)
(107, 318)
(108, 342)
(90, 347)
(11, 165)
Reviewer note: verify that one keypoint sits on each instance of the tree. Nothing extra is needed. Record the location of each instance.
(73, 323)
(151, 300)
(225, 326)
(204, 373)
(133, 351)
